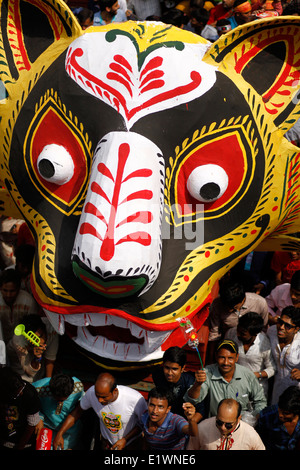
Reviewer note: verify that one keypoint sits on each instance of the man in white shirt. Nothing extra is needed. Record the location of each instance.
(282, 296)
(226, 431)
(254, 347)
(118, 408)
(285, 343)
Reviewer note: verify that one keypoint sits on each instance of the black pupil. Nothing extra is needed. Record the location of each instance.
(209, 191)
(46, 168)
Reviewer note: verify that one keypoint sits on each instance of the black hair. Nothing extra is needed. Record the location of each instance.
(232, 293)
(162, 394)
(223, 22)
(200, 14)
(252, 322)
(295, 281)
(196, 3)
(293, 313)
(175, 354)
(61, 385)
(174, 16)
(10, 275)
(84, 14)
(33, 322)
(228, 344)
(103, 4)
(289, 400)
(11, 382)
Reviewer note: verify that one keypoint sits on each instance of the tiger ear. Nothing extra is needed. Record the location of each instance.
(33, 33)
(262, 58)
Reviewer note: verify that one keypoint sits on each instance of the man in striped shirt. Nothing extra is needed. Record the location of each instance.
(164, 430)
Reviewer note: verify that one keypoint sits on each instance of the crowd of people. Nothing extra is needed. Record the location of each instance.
(207, 18)
(247, 395)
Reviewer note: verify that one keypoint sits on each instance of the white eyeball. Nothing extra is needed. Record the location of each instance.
(207, 183)
(55, 164)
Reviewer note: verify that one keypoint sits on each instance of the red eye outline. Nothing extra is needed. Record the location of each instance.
(232, 150)
(49, 126)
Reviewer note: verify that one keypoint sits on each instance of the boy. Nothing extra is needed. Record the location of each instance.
(173, 377)
(162, 429)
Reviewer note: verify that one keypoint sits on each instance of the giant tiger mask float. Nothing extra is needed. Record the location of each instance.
(146, 162)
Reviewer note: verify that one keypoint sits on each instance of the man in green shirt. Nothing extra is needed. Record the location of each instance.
(227, 379)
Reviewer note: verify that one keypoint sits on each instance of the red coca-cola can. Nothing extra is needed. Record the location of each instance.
(44, 440)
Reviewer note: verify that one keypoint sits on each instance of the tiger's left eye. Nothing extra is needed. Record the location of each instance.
(55, 164)
(207, 183)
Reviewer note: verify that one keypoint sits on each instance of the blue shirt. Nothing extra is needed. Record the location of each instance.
(54, 415)
(168, 436)
(119, 17)
(274, 434)
(233, 22)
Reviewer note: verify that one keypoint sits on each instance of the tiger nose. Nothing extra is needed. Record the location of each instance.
(119, 233)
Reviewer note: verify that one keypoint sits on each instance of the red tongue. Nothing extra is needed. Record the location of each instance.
(114, 333)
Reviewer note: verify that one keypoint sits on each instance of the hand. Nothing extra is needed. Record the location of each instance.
(39, 350)
(273, 320)
(119, 445)
(295, 374)
(189, 410)
(58, 442)
(258, 288)
(200, 376)
(38, 428)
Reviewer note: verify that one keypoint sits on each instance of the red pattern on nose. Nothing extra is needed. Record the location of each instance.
(109, 242)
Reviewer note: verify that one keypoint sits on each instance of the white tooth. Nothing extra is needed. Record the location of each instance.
(136, 330)
(153, 339)
(57, 321)
(120, 322)
(104, 347)
(131, 350)
(76, 319)
(108, 320)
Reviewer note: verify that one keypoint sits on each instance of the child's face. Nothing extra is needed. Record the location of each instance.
(172, 371)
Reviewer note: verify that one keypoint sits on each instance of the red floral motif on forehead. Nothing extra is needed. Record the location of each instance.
(119, 86)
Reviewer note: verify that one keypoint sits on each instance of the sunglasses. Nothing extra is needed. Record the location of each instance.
(286, 325)
(227, 425)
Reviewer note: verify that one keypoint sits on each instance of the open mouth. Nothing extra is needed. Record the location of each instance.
(109, 336)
